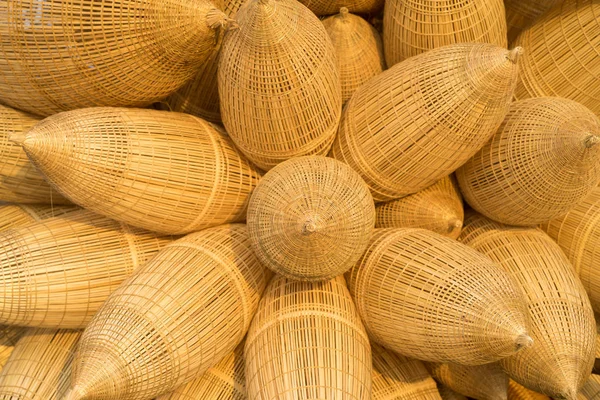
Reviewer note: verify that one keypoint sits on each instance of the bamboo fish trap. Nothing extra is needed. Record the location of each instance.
(422, 119)
(518, 392)
(107, 160)
(175, 318)
(425, 295)
(17, 215)
(328, 7)
(520, 14)
(562, 321)
(61, 56)
(578, 235)
(481, 382)
(412, 27)
(562, 58)
(40, 366)
(20, 182)
(437, 208)
(358, 48)
(449, 394)
(56, 273)
(279, 84)
(543, 160)
(310, 218)
(9, 335)
(307, 342)
(396, 377)
(591, 389)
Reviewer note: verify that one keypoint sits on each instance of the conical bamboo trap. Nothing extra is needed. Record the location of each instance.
(396, 377)
(175, 318)
(422, 119)
(520, 14)
(224, 381)
(358, 47)
(56, 273)
(425, 295)
(162, 171)
(17, 215)
(562, 321)
(62, 56)
(412, 27)
(562, 58)
(9, 335)
(518, 392)
(279, 84)
(543, 160)
(591, 389)
(449, 394)
(20, 182)
(578, 235)
(481, 382)
(40, 366)
(437, 208)
(310, 218)
(307, 342)
(328, 7)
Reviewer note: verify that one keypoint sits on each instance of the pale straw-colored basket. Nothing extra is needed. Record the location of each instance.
(61, 56)
(481, 382)
(422, 119)
(543, 160)
(328, 7)
(279, 84)
(175, 318)
(520, 14)
(40, 366)
(412, 27)
(358, 48)
(519, 392)
(562, 321)
(310, 218)
(437, 208)
(448, 394)
(56, 273)
(307, 342)
(591, 389)
(562, 57)
(162, 171)
(9, 335)
(396, 377)
(17, 215)
(429, 297)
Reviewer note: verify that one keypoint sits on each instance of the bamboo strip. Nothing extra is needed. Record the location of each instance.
(18, 215)
(518, 392)
(481, 382)
(520, 14)
(9, 335)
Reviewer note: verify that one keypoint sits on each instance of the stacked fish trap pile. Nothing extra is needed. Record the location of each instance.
(273, 199)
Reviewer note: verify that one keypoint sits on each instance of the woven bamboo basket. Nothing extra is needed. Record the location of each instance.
(107, 160)
(40, 366)
(17, 215)
(307, 342)
(310, 218)
(518, 392)
(578, 235)
(591, 389)
(437, 208)
(481, 382)
(396, 377)
(279, 84)
(562, 58)
(63, 56)
(56, 273)
(529, 172)
(449, 394)
(20, 182)
(520, 14)
(9, 335)
(596, 369)
(358, 47)
(329, 7)
(428, 297)
(422, 119)
(412, 27)
(562, 321)
(175, 318)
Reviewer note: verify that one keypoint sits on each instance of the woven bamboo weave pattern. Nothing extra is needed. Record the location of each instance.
(543, 160)
(162, 171)
(520, 14)
(422, 119)
(481, 382)
(20, 182)
(310, 218)
(358, 47)
(562, 321)
(40, 366)
(412, 27)
(562, 56)
(448, 394)
(307, 342)
(425, 295)
(396, 377)
(437, 208)
(518, 392)
(56, 273)
(9, 335)
(279, 84)
(175, 318)
(59, 56)
(328, 7)
(591, 389)
(17, 215)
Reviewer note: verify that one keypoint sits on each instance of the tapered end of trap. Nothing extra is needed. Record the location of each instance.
(17, 137)
(523, 341)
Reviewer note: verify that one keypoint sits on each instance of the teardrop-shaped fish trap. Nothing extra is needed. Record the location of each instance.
(520, 14)
(17, 215)
(162, 171)
(9, 335)
(481, 382)
(429, 297)
(423, 118)
(519, 392)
